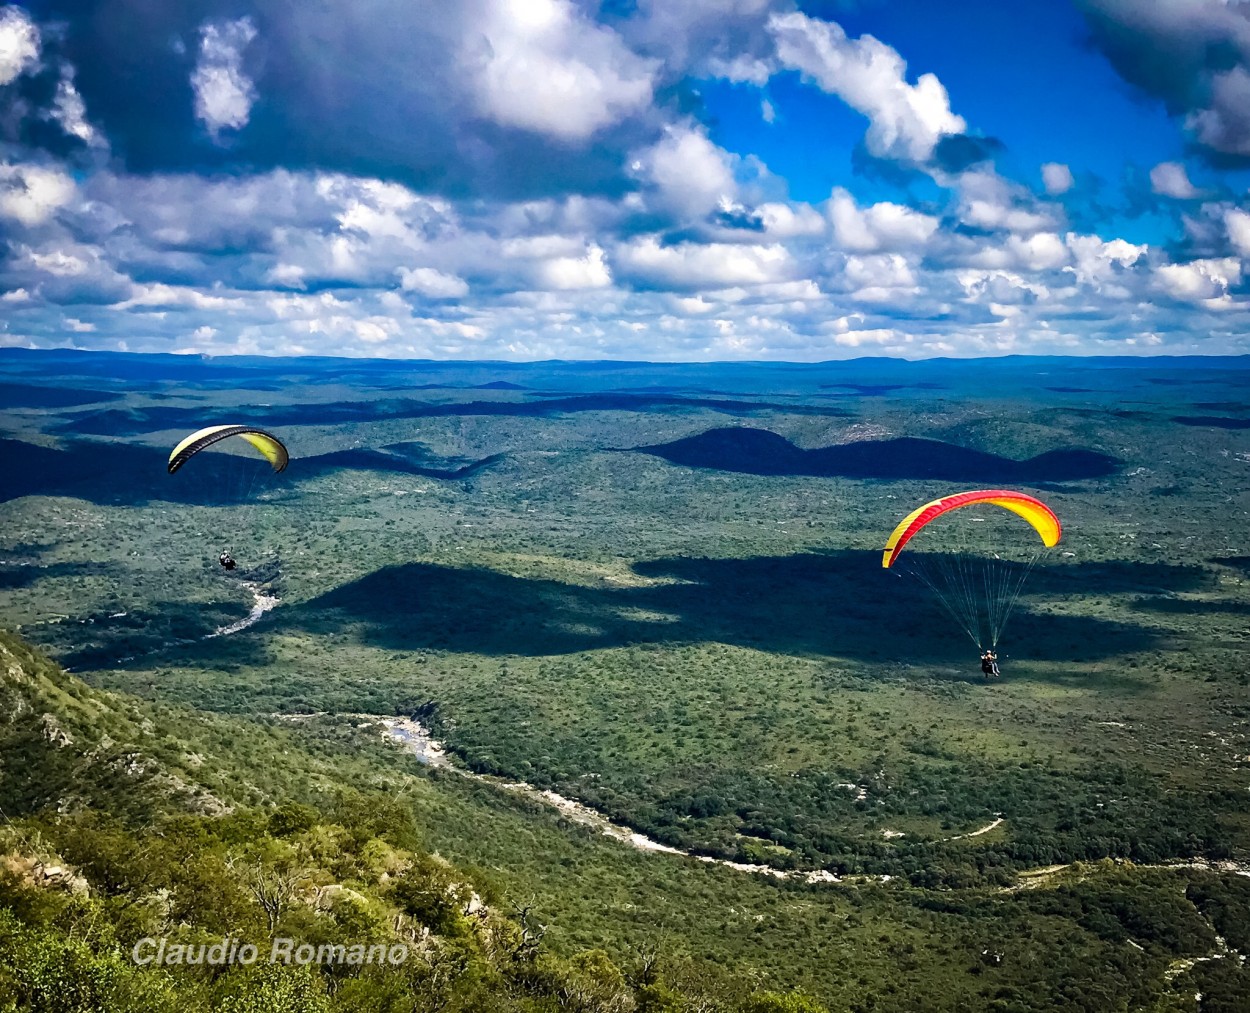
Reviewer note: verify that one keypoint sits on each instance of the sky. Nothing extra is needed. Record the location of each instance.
(626, 179)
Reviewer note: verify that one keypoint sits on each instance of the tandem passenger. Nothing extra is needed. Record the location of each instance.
(989, 664)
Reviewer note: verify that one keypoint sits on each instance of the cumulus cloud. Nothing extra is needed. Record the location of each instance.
(1206, 281)
(883, 278)
(689, 174)
(19, 43)
(566, 273)
(548, 278)
(1042, 251)
(790, 221)
(882, 226)
(223, 93)
(31, 194)
(432, 283)
(1192, 54)
(1171, 180)
(1056, 178)
(1000, 288)
(879, 338)
(540, 65)
(704, 38)
(906, 121)
(479, 212)
(1096, 262)
(692, 265)
(1237, 223)
(456, 99)
(988, 201)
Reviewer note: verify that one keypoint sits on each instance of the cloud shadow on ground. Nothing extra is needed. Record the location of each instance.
(760, 452)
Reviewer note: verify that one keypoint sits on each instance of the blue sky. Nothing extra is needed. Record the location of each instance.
(711, 179)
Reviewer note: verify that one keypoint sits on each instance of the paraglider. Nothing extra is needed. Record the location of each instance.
(268, 444)
(976, 570)
(231, 482)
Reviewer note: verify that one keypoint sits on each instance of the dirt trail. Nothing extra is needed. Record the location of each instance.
(1032, 879)
(262, 604)
(976, 833)
(418, 740)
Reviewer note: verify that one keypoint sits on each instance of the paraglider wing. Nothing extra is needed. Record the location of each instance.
(268, 444)
(1037, 513)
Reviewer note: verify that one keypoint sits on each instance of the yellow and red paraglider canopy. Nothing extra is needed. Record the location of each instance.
(1037, 513)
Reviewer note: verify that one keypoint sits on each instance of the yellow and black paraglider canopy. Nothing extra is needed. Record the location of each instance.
(268, 444)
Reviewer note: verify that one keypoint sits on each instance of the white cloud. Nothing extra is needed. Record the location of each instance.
(871, 336)
(1203, 281)
(1043, 251)
(741, 69)
(223, 93)
(19, 43)
(1171, 180)
(704, 38)
(905, 121)
(31, 194)
(69, 110)
(545, 245)
(767, 112)
(154, 294)
(879, 271)
(691, 265)
(790, 221)
(570, 276)
(998, 288)
(373, 330)
(1057, 178)
(882, 226)
(988, 201)
(986, 215)
(377, 209)
(1095, 262)
(432, 283)
(286, 275)
(690, 174)
(58, 263)
(694, 306)
(564, 273)
(1237, 223)
(540, 65)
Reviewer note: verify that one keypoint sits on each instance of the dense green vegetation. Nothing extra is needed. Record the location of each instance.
(707, 652)
(104, 850)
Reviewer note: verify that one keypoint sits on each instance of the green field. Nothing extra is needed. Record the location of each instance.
(709, 654)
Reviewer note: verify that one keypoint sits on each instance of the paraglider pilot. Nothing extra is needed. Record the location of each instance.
(226, 560)
(989, 664)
